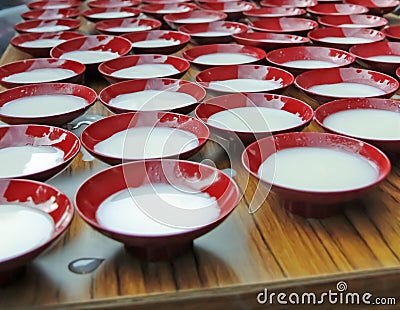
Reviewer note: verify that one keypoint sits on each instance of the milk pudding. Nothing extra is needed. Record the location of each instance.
(147, 142)
(254, 119)
(385, 58)
(152, 100)
(23, 229)
(346, 40)
(156, 43)
(43, 43)
(132, 28)
(346, 90)
(40, 75)
(225, 59)
(42, 105)
(180, 9)
(354, 26)
(23, 160)
(310, 64)
(366, 123)
(50, 28)
(89, 57)
(145, 71)
(106, 15)
(245, 85)
(157, 210)
(212, 34)
(318, 169)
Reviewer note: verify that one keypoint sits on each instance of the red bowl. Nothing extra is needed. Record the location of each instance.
(353, 21)
(274, 12)
(332, 58)
(54, 4)
(269, 41)
(214, 32)
(52, 25)
(119, 46)
(233, 101)
(158, 84)
(59, 119)
(256, 73)
(113, 3)
(99, 14)
(337, 9)
(28, 65)
(109, 68)
(164, 1)
(323, 37)
(364, 52)
(253, 54)
(377, 7)
(294, 25)
(44, 14)
(177, 173)
(234, 9)
(193, 17)
(288, 3)
(385, 83)
(106, 127)
(35, 195)
(310, 203)
(127, 25)
(40, 135)
(158, 10)
(386, 145)
(24, 42)
(392, 32)
(174, 41)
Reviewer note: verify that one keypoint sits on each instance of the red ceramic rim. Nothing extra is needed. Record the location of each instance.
(112, 3)
(72, 24)
(283, 24)
(337, 9)
(228, 7)
(90, 13)
(105, 25)
(288, 3)
(231, 28)
(43, 14)
(365, 21)
(274, 12)
(318, 34)
(168, 8)
(175, 19)
(49, 4)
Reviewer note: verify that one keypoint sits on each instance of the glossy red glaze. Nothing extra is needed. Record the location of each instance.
(240, 100)
(231, 28)
(392, 32)
(375, 7)
(81, 91)
(112, 3)
(29, 25)
(281, 56)
(128, 87)
(288, 3)
(23, 192)
(194, 52)
(376, 79)
(327, 109)
(274, 12)
(43, 14)
(109, 67)
(318, 35)
(54, 4)
(204, 78)
(104, 184)
(40, 63)
(269, 41)
(158, 10)
(90, 14)
(132, 25)
(234, 9)
(314, 203)
(294, 25)
(358, 21)
(20, 135)
(106, 127)
(179, 19)
(164, 1)
(398, 73)
(337, 9)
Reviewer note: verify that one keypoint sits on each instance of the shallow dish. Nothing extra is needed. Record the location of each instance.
(234, 9)
(159, 10)
(44, 26)
(336, 9)
(127, 25)
(293, 25)
(288, 3)
(53, 4)
(44, 14)
(270, 41)
(112, 3)
(392, 32)
(353, 21)
(193, 17)
(380, 7)
(99, 14)
(274, 12)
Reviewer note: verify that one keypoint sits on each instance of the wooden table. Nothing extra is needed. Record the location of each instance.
(232, 264)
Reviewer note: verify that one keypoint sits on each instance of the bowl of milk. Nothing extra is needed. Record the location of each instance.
(40, 70)
(213, 32)
(299, 59)
(158, 94)
(377, 7)
(392, 32)
(380, 56)
(212, 55)
(253, 116)
(127, 25)
(35, 152)
(344, 38)
(156, 208)
(54, 104)
(144, 135)
(43, 14)
(159, 10)
(112, 3)
(145, 66)
(273, 12)
(234, 9)
(40, 44)
(353, 21)
(165, 1)
(374, 120)
(99, 14)
(336, 9)
(314, 173)
(325, 85)
(269, 41)
(157, 41)
(194, 17)
(53, 4)
(293, 25)
(33, 216)
(244, 79)
(51, 25)
(288, 3)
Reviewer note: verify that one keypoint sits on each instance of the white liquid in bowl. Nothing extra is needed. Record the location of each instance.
(346, 40)
(133, 28)
(42, 43)
(212, 34)
(156, 43)
(48, 28)
(88, 57)
(224, 59)
(346, 90)
(310, 64)
(355, 26)
(146, 71)
(318, 169)
(385, 58)
(106, 15)
(245, 85)
(40, 75)
(195, 20)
